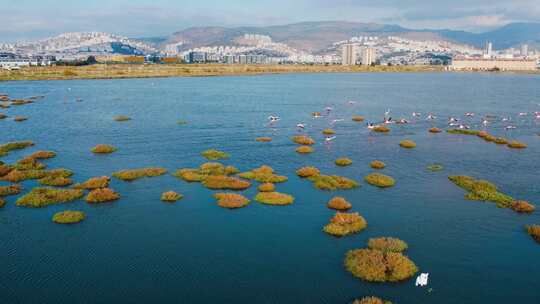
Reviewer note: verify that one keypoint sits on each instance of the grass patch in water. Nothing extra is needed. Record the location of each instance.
(68, 217)
(57, 181)
(534, 232)
(204, 171)
(501, 141)
(267, 187)
(304, 150)
(343, 162)
(463, 131)
(222, 182)
(303, 140)
(481, 190)
(16, 176)
(407, 144)
(381, 129)
(379, 180)
(339, 203)
(358, 118)
(274, 198)
(333, 182)
(122, 118)
(342, 224)
(517, 145)
(2, 202)
(264, 174)
(42, 197)
(103, 149)
(28, 164)
(231, 200)
(377, 164)
(435, 130)
(387, 244)
(17, 145)
(94, 183)
(379, 266)
(371, 300)
(305, 172)
(130, 175)
(42, 155)
(213, 154)
(435, 167)
(263, 139)
(20, 118)
(522, 207)
(171, 196)
(101, 195)
(328, 132)
(10, 190)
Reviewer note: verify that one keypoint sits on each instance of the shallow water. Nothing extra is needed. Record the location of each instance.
(140, 250)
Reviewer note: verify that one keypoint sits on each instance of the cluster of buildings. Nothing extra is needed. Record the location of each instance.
(10, 61)
(491, 60)
(204, 57)
(349, 55)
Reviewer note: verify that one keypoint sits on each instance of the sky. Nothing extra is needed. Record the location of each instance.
(35, 19)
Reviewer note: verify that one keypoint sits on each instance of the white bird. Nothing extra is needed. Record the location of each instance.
(453, 124)
(352, 102)
(330, 138)
(453, 119)
(505, 119)
(485, 122)
(464, 127)
(416, 114)
(387, 113)
(336, 120)
(273, 118)
(422, 279)
(370, 126)
(469, 114)
(523, 114)
(431, 116)
(510, 127)
(328, 109)
(301, 126)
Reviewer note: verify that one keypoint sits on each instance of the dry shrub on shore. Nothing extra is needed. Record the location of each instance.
(274, 198)
(380, 180)
(171, 196)
(103, 149)
(68, 217)
(343, 224)
(130, 175)
(94, 183)
(231, 200)
(303, 140)
(339, 203)
(101, 195)
(42, 197)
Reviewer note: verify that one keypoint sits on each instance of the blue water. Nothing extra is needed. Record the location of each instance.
(140, 250)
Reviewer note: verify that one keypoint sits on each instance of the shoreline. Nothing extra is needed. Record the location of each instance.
(128, 71)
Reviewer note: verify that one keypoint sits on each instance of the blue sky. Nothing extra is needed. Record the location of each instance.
(34, 19)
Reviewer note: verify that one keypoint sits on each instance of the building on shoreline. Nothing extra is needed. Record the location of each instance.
(348, 54)
(13, 61)
(490, 64)
(368, 56)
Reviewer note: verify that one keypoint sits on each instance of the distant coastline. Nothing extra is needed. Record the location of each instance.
(120, 71)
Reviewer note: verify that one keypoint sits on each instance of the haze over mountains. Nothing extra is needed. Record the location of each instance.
(312, 37)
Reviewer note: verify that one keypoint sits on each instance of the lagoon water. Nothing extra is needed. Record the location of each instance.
(140, 250)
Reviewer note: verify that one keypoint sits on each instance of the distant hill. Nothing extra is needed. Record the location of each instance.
(317, 36)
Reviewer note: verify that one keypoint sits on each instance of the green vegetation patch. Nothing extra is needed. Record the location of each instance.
(222, 182)
(274, 198)
(377, 164)
(213, 154)
(204, 171)
(267, 187)
(379, 180)
(343, 162)
(305, 172)
(407, 144)
(482, 190)
(101, 195)
(103, 149)
(17, 145)
(435, 167)
(28, 163)
(387, 244)
(94, 183)
(339, 203)
(42, 197)
(328, 132)
(171, 196)
(342, 224)
(516, 145)
(463, 132)
(122, 118)
(16, 176)
(333, 182)
(68, 217)
(130, 175)
(303, 140)
(10, 190)
(534, 232)
(264, 174)
(379, 266)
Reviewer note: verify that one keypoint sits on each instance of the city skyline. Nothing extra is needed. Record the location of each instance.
(32, 19)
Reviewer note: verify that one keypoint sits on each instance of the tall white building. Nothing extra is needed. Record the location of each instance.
(524, 50)
(348, 56)
(368, 56)
(488, 51)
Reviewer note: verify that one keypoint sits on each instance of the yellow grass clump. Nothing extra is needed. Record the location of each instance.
(94, 183)
(379, 266)
(122, 118)
(333, 182)
(501, 141)
(263, 139)
(3, 116)
(204, 171)
(407, 144)
(16, 145)
(264, 174)
(343, 224)
(267, 187)
(103, 149)
(2, 202)
(57, 181)
(16, 176)
(305, 172)
(516, 145)
(522, 207)
(274, 198)
(377, 164)
(10, 190)
(231, 200)
(20, 118)
(534, 232)
(42, 197)
(358, 118)
(303, 140)
(482, 190)
(68, 217)
(130, 175)
(343, 162)
(221, 182)
(101, 195)
(171, 196)
(304, 150)
(387, 244)
(381, 129)
(380, 180)
(339, 203)
(328, 132)
(213, 154)
(28, 163)
(435, 167)
(435, 130)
